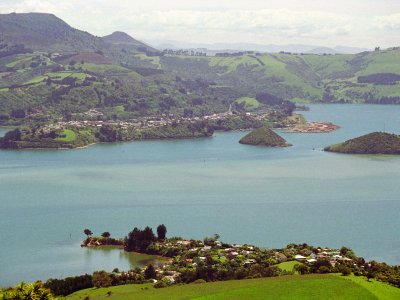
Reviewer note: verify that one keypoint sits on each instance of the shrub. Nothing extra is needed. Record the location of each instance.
(199, 281)
(160, 284)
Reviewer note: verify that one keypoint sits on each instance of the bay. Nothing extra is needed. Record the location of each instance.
(247, 194)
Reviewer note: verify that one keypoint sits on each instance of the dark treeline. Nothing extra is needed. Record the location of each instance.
(69, 285)
(140, 240)
(272, 100)
(380, 78)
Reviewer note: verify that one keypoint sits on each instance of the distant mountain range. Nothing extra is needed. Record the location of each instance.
(41, 31)
(270, 48)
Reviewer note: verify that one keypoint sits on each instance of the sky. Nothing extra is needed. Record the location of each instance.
(357, 23)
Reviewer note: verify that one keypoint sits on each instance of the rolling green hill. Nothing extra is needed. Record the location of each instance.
(327, 287)
(38, 50)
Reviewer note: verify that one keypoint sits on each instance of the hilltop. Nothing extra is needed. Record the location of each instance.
(40, 31)
(372, 143)
(264, 136)
(122, 38)
(46, 32)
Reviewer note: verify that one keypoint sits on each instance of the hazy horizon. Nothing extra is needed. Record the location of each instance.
(355, 23)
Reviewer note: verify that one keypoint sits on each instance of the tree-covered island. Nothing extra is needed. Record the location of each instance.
(372, 143)
(264, 137)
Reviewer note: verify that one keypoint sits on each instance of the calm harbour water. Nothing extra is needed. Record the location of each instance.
(267, 197)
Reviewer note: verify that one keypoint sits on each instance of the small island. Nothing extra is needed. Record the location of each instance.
(264, 136)
(372, 143)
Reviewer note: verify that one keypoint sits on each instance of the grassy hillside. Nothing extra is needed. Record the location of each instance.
(286, 287)
(297, 77)
(49, 70)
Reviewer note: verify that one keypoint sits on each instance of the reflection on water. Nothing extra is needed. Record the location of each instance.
(117, 257)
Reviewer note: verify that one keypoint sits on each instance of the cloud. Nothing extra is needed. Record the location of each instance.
(225, 21)
(391, 22)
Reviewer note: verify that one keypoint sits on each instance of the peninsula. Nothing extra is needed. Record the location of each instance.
(78, 134)
(190, 261)
(372, 143)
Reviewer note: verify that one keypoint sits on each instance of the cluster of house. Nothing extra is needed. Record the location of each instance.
(240, 53)
(333, 256)
(184, 52)
(139, 123)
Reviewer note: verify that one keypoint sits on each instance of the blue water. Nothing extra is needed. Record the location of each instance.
(268, 197)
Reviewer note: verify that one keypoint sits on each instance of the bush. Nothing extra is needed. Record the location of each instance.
(346, 271)
(160, 284)
(199, 281)
(323, 270)
(101, 279)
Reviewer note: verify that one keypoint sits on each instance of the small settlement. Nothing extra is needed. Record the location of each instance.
(213, 260)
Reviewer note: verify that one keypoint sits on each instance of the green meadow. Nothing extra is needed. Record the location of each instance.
(284, 287)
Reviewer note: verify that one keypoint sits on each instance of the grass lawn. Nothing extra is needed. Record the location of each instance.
(284, 287)
(37, 79)
(250, 103)
(104, 68)
(66, 135)
(380, 289)
(287, 265)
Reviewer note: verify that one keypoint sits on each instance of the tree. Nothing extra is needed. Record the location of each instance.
(370, 275)
(18, 114)
(302, 269)
(101, 279)
(106, 234)
(27, 291)
(139, 240)
(346, 271)
(88, 232)
(150, 272)
(161, 232)
(148, 234)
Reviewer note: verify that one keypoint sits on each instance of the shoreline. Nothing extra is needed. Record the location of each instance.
(310, 127)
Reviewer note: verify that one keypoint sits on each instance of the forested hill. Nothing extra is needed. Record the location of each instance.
(51, 71)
